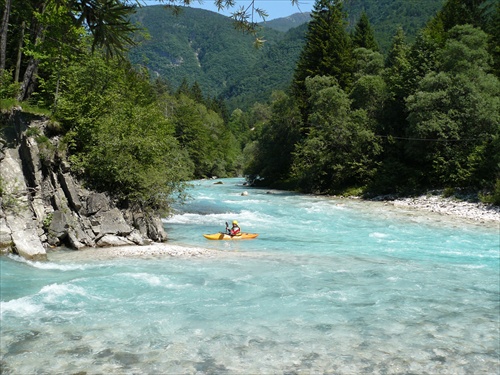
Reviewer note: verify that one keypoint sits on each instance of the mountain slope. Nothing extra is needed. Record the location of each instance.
(203, 46)
(385, 17)
(286, 23)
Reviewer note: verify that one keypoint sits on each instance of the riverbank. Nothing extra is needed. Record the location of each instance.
(164, 249)
(475, 211)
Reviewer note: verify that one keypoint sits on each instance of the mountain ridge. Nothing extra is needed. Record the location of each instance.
(203, 46)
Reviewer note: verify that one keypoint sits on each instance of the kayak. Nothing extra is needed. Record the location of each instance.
(224, 236)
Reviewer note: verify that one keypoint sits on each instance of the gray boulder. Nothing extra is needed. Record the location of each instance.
(112, 240)
(112, 222)
(19, 218)
(97, 202)
(5, 234)
(70, 191)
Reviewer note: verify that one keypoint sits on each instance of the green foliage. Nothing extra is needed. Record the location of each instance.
(8, 89)
(120, 139)
(494, 41)
(396, 75)
(386, 16)
(363, 36)
(47, 221)
(59, 44)
(432, 105)
(135, 157)
(328, 49)
(394, 176)
(460, 12)
(456, 110)
(272, 155)
(202, 133)
(11, 196)
(287, 23)
(494, 196)
(340, 147)
(369, 90)
(203, 47)
(109, 22)
(27, 107)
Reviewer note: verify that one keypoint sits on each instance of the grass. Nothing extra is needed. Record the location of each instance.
(8, 104)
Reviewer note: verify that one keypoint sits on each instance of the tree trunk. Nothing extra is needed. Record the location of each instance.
(29, 80)
(3, 35)
(19, 53)
(30, 74)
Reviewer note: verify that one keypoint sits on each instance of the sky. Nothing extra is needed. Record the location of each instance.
(274, 8)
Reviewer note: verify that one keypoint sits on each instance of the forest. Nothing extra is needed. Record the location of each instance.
(203, 47)
(353, 120)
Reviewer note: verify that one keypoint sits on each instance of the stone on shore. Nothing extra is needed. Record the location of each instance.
(109, 240)
(448, 206)
(19, 219)
(43, 205)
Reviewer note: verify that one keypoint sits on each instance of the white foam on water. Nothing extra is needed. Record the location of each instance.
(55, 292)
(471, 266)
(205, 197)
(22, 307)
(231, 201)
(150, 279)
(393, 279)
(323, 207)
(253, 201)
(154, 280)
(50, 265)
(253, 218)
(190, 218)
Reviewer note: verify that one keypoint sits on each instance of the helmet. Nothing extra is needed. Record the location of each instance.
(235, 222)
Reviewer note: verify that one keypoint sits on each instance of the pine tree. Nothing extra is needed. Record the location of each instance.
(328, 49)
(197, 93)
(494, 42)
(396, 76)
(183, 88)
(363, 36)
(461, 12)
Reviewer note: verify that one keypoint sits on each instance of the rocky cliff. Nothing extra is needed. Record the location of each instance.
(43, 205)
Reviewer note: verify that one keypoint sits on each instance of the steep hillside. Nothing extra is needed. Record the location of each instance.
(387, 15)
(203, 46)
(286, 23)
(274, 71)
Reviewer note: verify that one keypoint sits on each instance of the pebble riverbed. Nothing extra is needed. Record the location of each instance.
(478, 212)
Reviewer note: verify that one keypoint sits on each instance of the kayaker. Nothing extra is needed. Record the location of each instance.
(235, 229)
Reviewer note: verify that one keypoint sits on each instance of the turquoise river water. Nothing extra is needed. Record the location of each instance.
(330, 286)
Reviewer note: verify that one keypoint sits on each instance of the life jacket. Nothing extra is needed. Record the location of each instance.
(235, 231)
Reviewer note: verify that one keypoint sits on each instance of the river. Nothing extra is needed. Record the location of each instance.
(332, 286)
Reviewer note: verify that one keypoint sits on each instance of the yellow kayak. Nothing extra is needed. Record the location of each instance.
(224, 236)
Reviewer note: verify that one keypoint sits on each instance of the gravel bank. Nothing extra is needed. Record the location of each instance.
(135, 251)
(478, 212)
